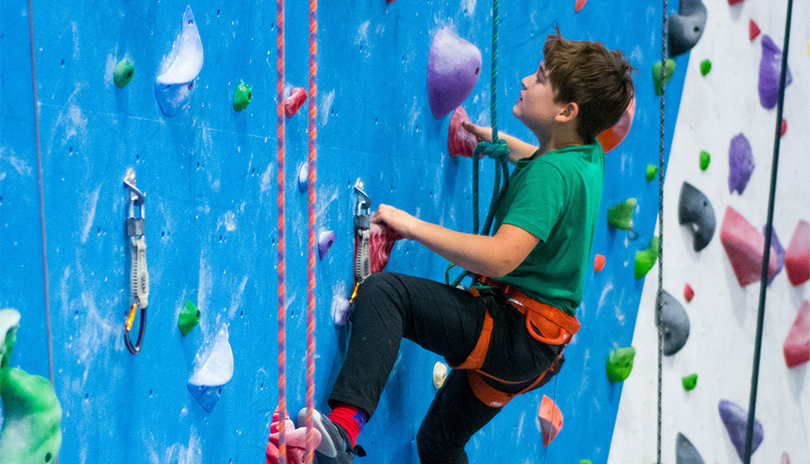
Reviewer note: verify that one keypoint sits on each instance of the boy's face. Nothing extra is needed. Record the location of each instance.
(536, 107)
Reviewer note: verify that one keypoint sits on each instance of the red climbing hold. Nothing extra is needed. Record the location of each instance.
(688, 293)
(611, 138)
(459, 141)
(551, 420)
(381, 241)
(744, 246)
(785, 458)
(797, 343)
(797, 255)
(293, 103)
(784, 128)
(753, 30)
(734, 2)
(580, 4)
(598, 263)
(295, 440)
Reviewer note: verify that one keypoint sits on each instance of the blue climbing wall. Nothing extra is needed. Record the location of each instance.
(209, 176)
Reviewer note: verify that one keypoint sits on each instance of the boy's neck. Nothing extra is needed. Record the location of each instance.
(557, 140)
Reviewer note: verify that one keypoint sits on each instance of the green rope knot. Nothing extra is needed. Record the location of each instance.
(496, 150)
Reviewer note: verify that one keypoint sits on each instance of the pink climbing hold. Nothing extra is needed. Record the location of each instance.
(797, 342)
(459, 141)
(785, 458)
(551, 420)
(381, 241)
(753, 30)
(598, 263)
(744, 246)
(688, 293)
(611, 138)
(784, 128)
(294, 102)
(580, 4)
(734, 2)
(797, 255)
(295, 439)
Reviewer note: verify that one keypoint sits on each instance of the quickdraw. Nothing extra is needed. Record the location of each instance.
(362, 228)
(139, 276)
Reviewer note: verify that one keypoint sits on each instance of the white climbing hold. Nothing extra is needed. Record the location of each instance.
(175, 84)
(439, 374)
(340, 311)
(217, 370)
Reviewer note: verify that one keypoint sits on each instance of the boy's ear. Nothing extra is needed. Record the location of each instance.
(568, 113)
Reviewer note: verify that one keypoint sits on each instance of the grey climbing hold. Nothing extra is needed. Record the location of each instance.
(674, 322)
(686, 27)
(695, 210)
(685, 451)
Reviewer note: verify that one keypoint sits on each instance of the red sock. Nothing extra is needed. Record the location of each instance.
(351, 418)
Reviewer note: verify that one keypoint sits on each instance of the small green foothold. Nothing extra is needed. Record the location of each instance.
(705, 159)
(705, 67)
(621, 215)
(689, 382)
(241, 97)
(620, 363)
(669, 71)
(652, 172)
(585, 461)
(189, 317)
(645, 259)
(123, 73)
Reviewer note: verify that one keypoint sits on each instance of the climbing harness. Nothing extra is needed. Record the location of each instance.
(544, 322)
(362, 230)
(139, 276)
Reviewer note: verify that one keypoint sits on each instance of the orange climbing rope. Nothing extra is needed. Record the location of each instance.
(280, 126)
(311, 217)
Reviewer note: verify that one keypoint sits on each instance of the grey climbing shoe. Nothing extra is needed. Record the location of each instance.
(335, 447)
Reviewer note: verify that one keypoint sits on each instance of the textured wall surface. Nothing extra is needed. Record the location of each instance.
(209, 176)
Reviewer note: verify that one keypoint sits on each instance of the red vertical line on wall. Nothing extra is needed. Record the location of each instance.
(280, 126)
(311, 218)
(41, 192)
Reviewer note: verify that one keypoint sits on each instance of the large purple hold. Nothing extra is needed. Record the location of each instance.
(454, 65)
(740, 164)
(777, 248)
(770, 70)
(735, 418)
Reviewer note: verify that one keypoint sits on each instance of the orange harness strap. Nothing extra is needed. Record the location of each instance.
(545, 323)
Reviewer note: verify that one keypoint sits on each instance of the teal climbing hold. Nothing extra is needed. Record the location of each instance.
(705, 67)
(123, 73)
(241, 97)
(652, 172)
(620, 363)
(689, 382)
(705, 159)
(189, 318)
(621, 215)
(646, 259)
(669, 70)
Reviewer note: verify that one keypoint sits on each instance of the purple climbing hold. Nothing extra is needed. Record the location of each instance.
(770, 70)
(325, 241)
(735, 419)
(779, 250)
(454, 65)
(740, 163)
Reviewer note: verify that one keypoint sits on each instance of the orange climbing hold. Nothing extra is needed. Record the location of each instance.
(753, 30)
(611, 138)
(551, 420)
(598, 263)
(580, 4)
(688, 293)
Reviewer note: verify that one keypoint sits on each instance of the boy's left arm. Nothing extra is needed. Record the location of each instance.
(493, 256)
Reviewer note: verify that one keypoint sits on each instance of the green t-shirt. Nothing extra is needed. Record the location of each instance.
(555, 197)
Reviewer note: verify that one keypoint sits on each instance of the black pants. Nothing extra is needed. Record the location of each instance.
(446, 321)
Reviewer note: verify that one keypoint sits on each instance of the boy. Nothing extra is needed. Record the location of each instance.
(537, 258)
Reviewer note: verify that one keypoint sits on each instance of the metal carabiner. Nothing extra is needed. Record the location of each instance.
(139, 276)
(362, 226)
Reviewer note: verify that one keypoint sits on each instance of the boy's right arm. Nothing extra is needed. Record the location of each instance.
(518, 149)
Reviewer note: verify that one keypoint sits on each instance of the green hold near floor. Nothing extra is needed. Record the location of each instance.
(689, 382)
(620, 364)
(189, 318)
(123, 73)
(646, 259)
(32, 414)
(621, 215)
(241, 97)
(669, 70)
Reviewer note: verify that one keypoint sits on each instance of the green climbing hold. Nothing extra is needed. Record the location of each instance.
(620, 363)
(652, 172)
(241, 97)
(705, 67)
(9, 322)
(621, 215)
(705, 159)
(585, 461)
(689, 382)
(189, 317)
(646, 258)
(668, 72)
(123, 73)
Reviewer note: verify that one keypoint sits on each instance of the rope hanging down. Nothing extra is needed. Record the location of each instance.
(282, 316)
(660, 294)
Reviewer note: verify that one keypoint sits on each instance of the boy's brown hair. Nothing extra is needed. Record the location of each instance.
(595, 78)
